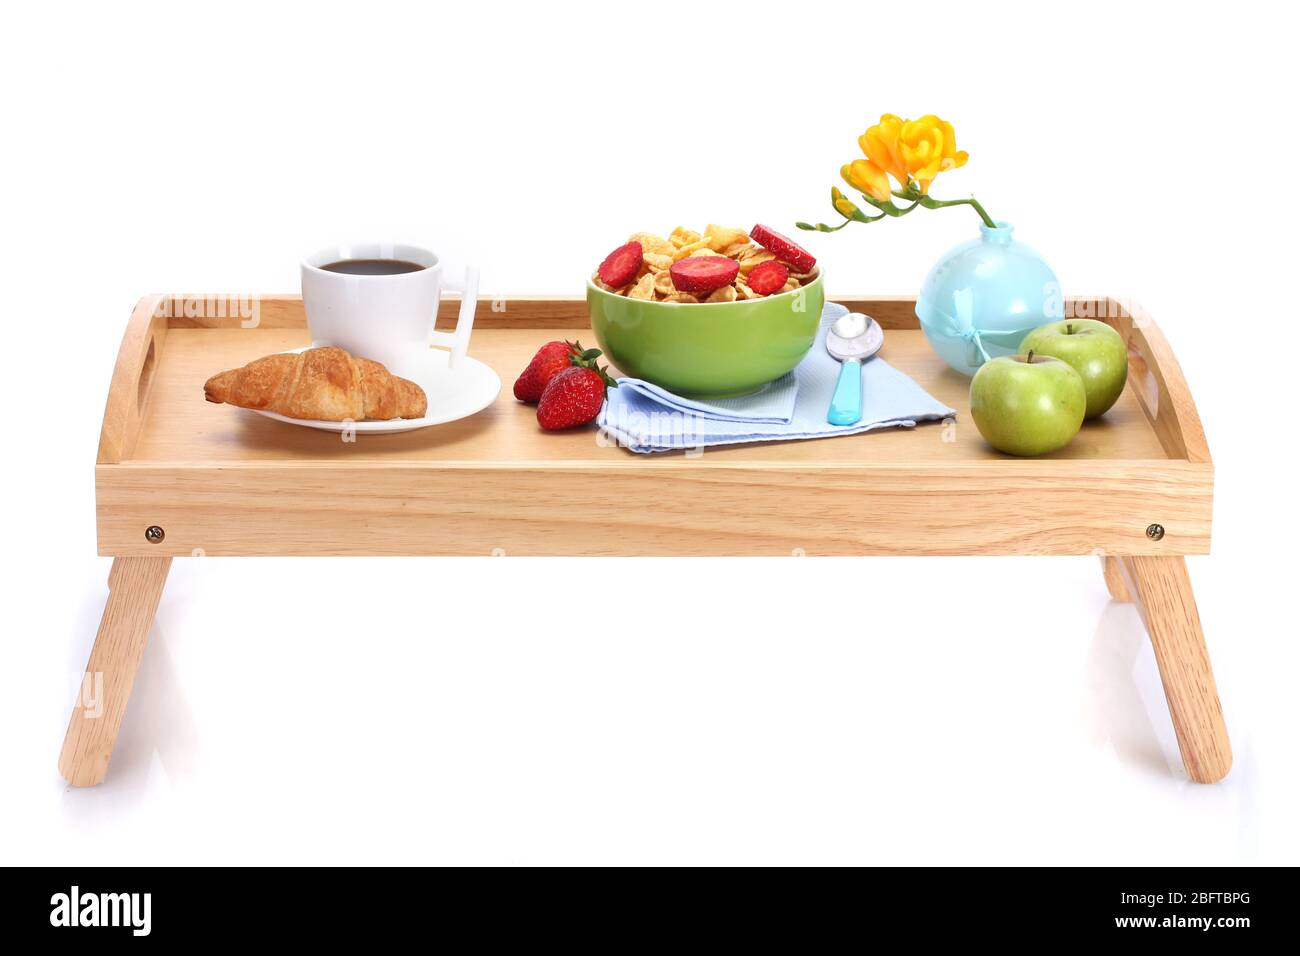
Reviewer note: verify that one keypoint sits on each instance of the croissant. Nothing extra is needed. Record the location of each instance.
(326, 384)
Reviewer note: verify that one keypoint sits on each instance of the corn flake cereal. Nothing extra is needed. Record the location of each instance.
(644, 288)
(681, 236)
(650, 243)
(690, 247)
(657, 262)
(654, 281)
(721, 237)
(748, 263)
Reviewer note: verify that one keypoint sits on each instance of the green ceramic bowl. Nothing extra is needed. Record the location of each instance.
(707, 349)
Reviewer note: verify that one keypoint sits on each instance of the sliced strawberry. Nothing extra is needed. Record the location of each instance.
(768, 277)
(574, 397)
(701, 275)
(621, 266)
(783, 248)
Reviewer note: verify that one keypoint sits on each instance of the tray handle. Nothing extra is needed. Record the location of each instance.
(1158, 382)
(128, 393)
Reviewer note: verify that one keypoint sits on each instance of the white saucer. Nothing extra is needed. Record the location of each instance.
(453, 394)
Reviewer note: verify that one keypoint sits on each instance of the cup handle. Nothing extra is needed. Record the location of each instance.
(457, 342)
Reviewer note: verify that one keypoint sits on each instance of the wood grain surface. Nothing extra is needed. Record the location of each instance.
(1114, 576)
(180, 428)
(1163, 592)
(135, 587)
(222, 480)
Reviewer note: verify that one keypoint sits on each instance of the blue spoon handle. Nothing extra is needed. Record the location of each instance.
(846, 403)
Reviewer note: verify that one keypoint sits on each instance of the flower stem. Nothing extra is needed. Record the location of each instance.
(822, 227)
(929, 203)
(910, 192)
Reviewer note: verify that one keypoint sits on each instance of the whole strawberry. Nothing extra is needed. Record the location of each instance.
(573, 397)
(551, 358)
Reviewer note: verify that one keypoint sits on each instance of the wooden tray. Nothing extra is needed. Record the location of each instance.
(227, 482)
(177, 476)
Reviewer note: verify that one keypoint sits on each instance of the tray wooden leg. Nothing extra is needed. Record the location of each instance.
(134, 588)
(1115, 580)
(1163, 593)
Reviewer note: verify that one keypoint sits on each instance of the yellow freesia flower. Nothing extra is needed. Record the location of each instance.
(842, 204)
(928, 146)
(880, 145)
(912, 153)
(867, 178)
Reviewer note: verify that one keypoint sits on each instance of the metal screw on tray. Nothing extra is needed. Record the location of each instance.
(154, 534)
(1155, 532)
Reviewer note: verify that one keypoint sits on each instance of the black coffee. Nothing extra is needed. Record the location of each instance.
(373, 267)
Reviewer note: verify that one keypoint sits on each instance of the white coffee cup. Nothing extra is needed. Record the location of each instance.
(387, 318)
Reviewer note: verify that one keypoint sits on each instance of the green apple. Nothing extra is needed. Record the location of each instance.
(1027, 404)
(1095, 350)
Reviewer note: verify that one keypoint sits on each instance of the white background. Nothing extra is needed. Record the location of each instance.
(642, 711)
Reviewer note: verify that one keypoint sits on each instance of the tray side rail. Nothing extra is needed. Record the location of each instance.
(128, 392)
(1157, 379)
(466, 508)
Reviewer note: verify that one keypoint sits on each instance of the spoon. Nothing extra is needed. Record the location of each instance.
(853, 339)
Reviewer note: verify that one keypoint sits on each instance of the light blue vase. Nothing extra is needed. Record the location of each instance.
(984, 296)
